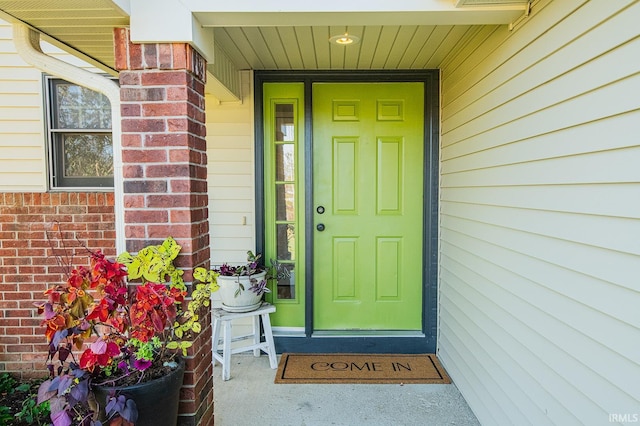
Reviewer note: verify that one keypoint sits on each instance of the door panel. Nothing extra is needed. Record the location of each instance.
(368, 178)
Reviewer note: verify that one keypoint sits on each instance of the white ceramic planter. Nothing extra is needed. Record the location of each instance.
(246, 300)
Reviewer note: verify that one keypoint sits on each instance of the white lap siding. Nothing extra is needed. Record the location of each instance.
(539, 216)
(230, 175)
(230, 152)
(23, 158)
(22, 146)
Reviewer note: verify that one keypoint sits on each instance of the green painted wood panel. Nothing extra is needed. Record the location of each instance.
(389, 176)
(283, 121)
(368, 176)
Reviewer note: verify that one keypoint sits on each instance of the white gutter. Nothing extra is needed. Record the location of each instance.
(27, 43)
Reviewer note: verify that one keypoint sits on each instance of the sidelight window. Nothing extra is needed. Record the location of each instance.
(284, 141)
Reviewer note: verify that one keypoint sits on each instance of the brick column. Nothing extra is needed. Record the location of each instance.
(165, 188)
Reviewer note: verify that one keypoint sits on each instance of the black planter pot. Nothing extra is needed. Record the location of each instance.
(156, 400)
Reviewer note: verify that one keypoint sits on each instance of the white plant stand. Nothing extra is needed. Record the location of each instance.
(222, 322)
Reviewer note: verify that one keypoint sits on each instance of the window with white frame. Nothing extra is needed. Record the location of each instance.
(80, 141)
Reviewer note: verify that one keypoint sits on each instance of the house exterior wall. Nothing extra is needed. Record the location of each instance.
(231, 175)
(23, 178)
(21, 121)
(37, 229)
(539, 217)
(538, 209)
(231, 183)
(23, 158)
(43, 236)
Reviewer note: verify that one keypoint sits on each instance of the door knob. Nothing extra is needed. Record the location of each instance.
(320, 227)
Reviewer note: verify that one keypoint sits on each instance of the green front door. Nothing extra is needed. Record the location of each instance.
(368, 206)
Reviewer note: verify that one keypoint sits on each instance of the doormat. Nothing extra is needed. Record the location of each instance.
(360, 368)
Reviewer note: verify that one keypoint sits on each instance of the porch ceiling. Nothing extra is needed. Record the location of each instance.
(294, 38)
(308, 48)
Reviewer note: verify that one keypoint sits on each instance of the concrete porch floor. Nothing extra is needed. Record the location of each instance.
(251, 398)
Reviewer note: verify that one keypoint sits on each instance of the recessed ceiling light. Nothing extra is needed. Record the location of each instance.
(344, 39)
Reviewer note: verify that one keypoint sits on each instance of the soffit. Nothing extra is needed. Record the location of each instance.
(307, 48)
(404, 34)
(86, 26)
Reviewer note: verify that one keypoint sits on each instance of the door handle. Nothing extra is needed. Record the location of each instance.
(320, 227)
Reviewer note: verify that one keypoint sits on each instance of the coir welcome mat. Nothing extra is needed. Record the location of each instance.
(360, 368)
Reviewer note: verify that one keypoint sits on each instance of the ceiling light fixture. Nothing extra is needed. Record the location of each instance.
(344, 39)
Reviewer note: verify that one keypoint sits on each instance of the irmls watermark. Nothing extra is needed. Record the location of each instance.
(624, 417)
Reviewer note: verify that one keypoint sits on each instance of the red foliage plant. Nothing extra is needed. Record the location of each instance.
(132, 329)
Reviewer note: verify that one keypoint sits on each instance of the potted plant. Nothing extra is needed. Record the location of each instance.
(240, 287)
(129, 335)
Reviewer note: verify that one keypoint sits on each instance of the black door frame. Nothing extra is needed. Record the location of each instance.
(426, 343)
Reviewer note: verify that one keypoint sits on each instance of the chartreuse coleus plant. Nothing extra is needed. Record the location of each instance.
(154, 264)
(133, 328)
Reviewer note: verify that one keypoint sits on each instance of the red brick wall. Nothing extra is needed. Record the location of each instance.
(165, 178)
(36, 231)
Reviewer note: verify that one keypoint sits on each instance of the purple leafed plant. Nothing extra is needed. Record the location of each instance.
(252, 267)
(259, 288)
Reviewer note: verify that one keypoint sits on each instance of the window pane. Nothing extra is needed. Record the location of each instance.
(285, 276)
(87, 155)
(81, 108)
(285, 202)
(285, 165)
(286, 241)
(285, 129)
